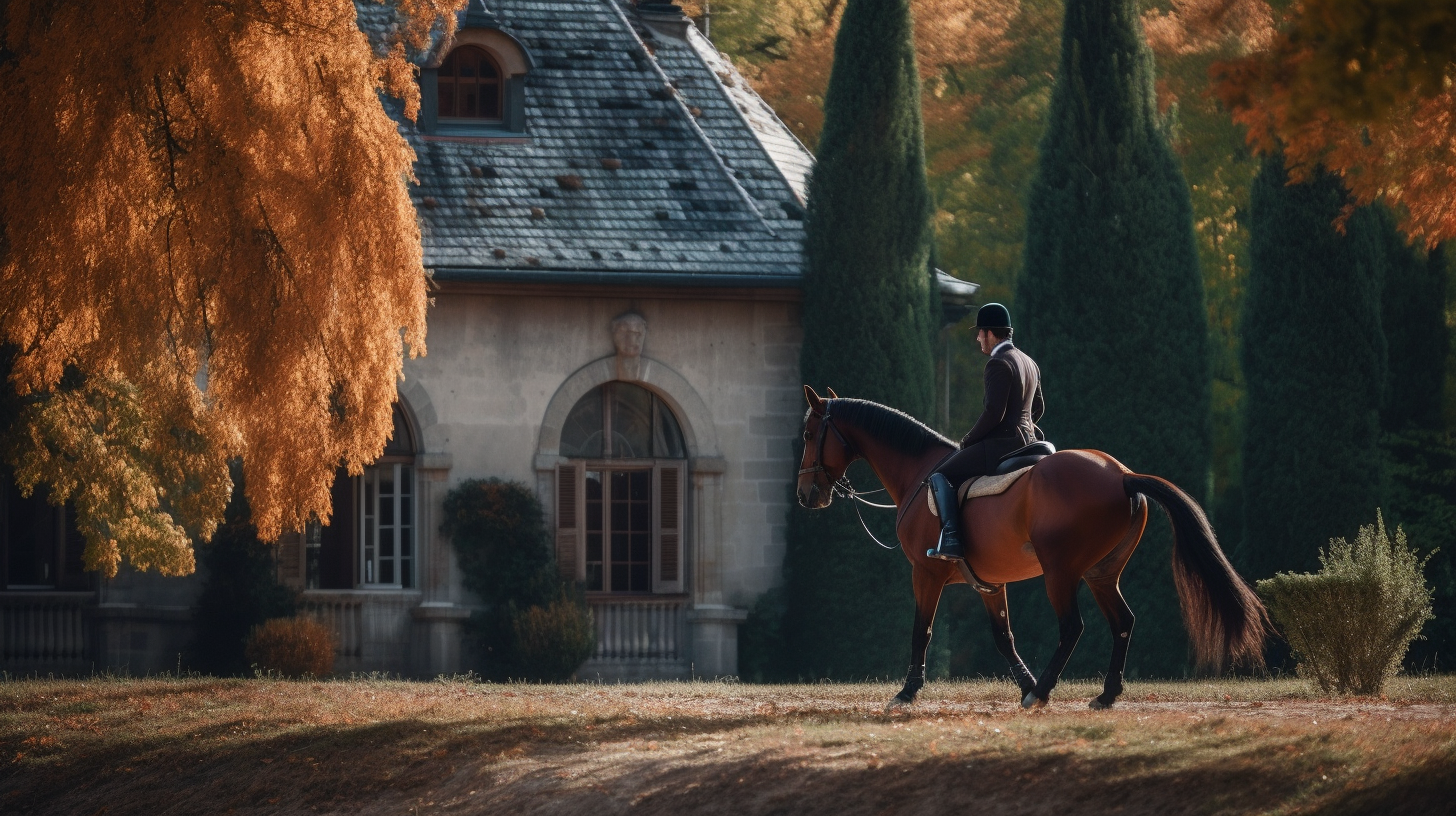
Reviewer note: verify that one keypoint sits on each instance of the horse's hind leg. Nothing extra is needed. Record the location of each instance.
(1005, 643)
(1120, 618)
(1062, 591)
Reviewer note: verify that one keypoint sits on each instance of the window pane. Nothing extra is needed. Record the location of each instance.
(490, 101)
(581, 436)
(594, 577)
(406, 573)
(641, 481)
(621, 580)
(619, 547)
(641, 547)
(386, 572)
(639, 515)
(667, 440)
(594, 500)
(593, 547)
(640, 578)
(467, 102)
(447, 97)
(631, 421)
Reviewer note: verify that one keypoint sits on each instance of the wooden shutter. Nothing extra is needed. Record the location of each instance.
(568, 515)
(668, 554)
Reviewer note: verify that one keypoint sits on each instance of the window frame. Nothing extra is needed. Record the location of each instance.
(404, 533)
(667, 525)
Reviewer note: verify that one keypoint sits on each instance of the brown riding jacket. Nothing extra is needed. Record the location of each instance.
(1013, 400)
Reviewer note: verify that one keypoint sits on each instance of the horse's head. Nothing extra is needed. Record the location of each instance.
(827, 453)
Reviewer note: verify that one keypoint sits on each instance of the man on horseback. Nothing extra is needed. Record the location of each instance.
(1008, 422)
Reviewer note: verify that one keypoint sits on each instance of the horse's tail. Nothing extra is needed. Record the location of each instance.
(1224, 617)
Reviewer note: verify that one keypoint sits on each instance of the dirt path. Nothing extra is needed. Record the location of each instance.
(208, 746)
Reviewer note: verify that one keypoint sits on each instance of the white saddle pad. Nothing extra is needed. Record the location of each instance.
(981, 486)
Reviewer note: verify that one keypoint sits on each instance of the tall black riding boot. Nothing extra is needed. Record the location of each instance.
(949, 547)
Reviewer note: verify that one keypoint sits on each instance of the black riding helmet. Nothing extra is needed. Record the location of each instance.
(993, 316)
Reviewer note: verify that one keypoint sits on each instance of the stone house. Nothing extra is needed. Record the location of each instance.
(614, 224)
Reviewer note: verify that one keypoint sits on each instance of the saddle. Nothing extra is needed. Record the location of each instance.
(1008, 470)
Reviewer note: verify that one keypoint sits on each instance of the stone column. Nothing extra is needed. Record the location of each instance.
(714, 624)
(439, 619)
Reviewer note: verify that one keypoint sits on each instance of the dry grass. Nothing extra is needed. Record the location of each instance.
(199, 746)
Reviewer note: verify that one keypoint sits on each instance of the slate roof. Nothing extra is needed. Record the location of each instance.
(648, 160)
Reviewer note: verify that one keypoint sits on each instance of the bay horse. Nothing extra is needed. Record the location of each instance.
(1076, 516)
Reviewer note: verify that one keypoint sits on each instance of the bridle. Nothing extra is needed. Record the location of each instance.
(826, 424)
(841, 486)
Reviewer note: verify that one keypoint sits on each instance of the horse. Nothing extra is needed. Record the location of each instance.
(1076, 516)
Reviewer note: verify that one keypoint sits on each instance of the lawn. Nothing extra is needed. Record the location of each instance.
(202, 745)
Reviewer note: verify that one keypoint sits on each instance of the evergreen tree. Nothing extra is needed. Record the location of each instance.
(1413, 312)
(1111, 306)
(1314, 365)
(867, 333)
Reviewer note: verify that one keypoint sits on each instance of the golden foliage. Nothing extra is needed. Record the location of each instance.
(206, 222)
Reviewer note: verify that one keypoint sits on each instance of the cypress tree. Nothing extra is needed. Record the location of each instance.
(1413, 312)
(1110, 304)
(867, 333)
(1314, 367)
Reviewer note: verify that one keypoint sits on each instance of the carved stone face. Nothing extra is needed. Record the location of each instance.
(628, 333)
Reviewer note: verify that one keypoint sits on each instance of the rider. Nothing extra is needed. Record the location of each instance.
(1013, 405)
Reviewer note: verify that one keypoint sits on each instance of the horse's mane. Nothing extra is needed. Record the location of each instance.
(899, 430)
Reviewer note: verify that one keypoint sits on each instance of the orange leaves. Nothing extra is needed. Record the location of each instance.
(1364, 90)
(206, 215)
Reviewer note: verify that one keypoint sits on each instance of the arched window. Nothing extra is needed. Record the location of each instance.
(470, 86)
(372, 539)
(620, 506)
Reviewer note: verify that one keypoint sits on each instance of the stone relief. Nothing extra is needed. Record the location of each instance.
(629, 332)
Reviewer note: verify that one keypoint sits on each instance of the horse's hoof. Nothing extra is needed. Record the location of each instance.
(896, 703)
(1098, 705)
(1032, 701)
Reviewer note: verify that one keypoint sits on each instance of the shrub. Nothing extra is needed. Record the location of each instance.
(1350, 623)
(552, 641)
(498, 529)
(292, 647)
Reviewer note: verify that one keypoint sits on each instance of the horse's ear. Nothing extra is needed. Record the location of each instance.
(815, 403)
(833, 395)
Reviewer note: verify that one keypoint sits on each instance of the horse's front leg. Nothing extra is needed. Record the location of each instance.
(928, 582)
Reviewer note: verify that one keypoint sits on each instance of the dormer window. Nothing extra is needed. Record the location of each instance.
(470, 86)
(475, 85)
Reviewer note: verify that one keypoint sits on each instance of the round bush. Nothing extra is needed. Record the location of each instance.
(292, 647)
(552, 641)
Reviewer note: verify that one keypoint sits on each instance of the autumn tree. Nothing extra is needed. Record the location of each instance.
(208, 252)
(1364, 90)
(867, 330)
